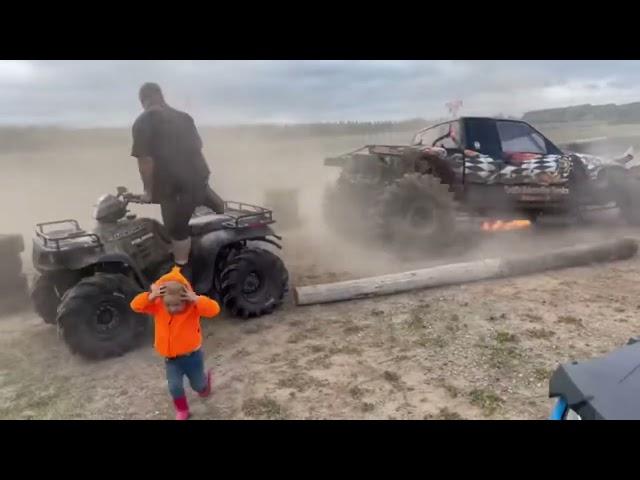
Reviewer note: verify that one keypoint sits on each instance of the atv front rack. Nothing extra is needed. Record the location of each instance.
(54, 238)
(243, 215)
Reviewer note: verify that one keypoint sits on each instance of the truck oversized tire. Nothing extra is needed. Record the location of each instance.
(96, 318)
(416, 210)
(254, 283)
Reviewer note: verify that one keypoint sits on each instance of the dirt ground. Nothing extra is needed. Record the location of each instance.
(476, 351)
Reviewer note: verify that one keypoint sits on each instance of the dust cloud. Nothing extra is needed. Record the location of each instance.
(53, 174)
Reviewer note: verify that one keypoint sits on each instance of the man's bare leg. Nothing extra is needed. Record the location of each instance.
(181, 250)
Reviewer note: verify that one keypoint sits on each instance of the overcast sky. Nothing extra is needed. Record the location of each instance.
(104, 93)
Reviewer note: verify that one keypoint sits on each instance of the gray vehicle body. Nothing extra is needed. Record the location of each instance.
(141, 247)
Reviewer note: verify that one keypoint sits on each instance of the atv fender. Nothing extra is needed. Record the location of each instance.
(210, 245)
(120, 259)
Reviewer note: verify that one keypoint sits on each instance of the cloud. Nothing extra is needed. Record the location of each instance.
(104, 93)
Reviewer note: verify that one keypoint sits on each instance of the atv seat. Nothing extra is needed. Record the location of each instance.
(202, 224)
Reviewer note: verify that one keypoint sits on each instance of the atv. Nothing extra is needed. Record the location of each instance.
(471, 169)
(604, 388)
(88, 278)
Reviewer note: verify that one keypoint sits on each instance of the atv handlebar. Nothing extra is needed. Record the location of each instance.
(134, 198)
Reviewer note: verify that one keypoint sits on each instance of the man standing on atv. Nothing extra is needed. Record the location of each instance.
(173, 169)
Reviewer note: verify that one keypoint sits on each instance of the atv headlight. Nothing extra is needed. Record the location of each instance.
(572, 415)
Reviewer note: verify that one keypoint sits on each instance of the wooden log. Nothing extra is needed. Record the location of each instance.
(466, 272)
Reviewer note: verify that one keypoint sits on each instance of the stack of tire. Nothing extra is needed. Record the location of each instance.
(14, 287)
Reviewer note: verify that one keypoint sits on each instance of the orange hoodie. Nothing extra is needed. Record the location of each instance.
(176, 334)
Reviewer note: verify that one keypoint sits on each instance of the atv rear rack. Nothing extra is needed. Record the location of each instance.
(245, 215)
(54, 238)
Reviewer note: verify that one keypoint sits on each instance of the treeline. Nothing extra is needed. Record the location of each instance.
(326, 128)
(609, 113)
(21, 139)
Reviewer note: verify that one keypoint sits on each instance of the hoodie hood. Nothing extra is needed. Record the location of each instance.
(174, 276)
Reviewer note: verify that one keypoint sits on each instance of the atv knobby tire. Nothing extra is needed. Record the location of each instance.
(96, 318)
(253, 283)
(47, 294)
(416, 211)
(11, 245)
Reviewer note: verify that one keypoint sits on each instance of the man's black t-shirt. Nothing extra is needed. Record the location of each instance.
(171, 139)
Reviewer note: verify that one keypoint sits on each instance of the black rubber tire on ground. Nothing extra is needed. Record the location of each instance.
(253, 283)
(96, 318)
(47, 293)
(416, 211)
(10, 245)
(10, 266)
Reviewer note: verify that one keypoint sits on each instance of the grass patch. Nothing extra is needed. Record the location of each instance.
(352, 329)
(503, 337)
(532, 317)
(451, 390)
(393, 378)
(486, 400)
(415, 322)
(344, 350)
(367, 407)
(571, 320)
(437, 341)
(540, 333)
(541, 374)
(502, 356)
(445, 414)
(357, 393)
(263, 408)
(316, 348)
(300, 382)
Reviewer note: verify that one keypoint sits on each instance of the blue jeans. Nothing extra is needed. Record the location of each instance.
(191, 365)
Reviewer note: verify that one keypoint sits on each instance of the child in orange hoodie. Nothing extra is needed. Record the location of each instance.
(176, 310)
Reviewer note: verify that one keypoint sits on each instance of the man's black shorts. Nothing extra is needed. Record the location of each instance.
(178, 207)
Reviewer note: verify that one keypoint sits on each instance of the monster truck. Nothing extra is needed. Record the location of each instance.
(470, 168)
(604, 388)
(87, 279)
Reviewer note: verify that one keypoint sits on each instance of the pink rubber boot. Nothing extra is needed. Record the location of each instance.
(207, 391)
(182, 408)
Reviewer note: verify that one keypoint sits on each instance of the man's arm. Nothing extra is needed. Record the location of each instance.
(141, 149)
(145, 166)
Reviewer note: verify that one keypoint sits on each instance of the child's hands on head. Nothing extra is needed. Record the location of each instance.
(157, 291)
(189, 295)
(177, 297)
